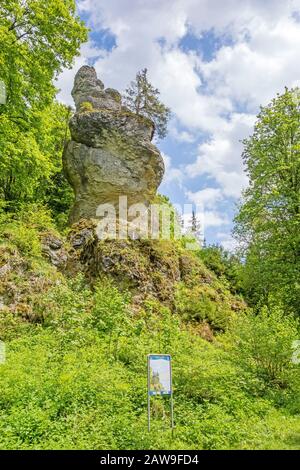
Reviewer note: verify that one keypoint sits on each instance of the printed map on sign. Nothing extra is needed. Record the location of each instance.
(159, 375)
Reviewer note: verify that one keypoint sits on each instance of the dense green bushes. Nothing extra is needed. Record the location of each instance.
(80, 381)
(262, 344)
(75, 375)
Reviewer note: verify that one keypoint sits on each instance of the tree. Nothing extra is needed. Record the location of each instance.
(268, 222)
(223, 263)
(195, 228)
(29, 159)
(143, 99)
(38, 39)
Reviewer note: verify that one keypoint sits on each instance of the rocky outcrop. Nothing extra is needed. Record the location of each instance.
(53, 249)
(158, 270)
(110, 153)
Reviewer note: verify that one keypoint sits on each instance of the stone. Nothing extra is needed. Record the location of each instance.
(5, 269)
(53, 249)
(110, 153)
(89, 89)
(82, 238)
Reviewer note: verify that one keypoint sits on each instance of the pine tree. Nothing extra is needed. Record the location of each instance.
(143, 99)
(195, 228)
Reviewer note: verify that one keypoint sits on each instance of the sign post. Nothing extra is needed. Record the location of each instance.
(160, 381)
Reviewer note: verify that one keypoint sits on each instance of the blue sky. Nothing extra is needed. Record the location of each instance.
(215, 63)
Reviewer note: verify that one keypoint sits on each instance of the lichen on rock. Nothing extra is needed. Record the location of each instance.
(110, 153)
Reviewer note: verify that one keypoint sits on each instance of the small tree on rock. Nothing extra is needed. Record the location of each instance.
(143, 99)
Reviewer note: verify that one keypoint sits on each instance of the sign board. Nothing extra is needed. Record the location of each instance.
(159, 370)
(160, 380)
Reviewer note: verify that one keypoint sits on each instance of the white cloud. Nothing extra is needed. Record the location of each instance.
(214, 101)
(253, 70)
(172, 174)
(227, 241)
(262, 58)
(206, 198)
(181, 135)
(220, 157)
(264, 53)
(206, 202)
(214, 219)
(206, 219)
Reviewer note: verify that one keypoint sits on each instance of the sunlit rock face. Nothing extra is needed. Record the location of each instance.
(110, 153)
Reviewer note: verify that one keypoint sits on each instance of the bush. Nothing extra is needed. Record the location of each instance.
(78, 380)
(200, 304)
(23, 228)
(262, 345)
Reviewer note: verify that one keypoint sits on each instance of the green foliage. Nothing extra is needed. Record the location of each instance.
(111, 315)
(110, 312)
(38, 39)
(23, 228)
(223, 263)
(268, 222)
(71, 394)
(75, 376)
(262, 344)
(86, 107)
(143, 99)
(59, 197)
(200, 305)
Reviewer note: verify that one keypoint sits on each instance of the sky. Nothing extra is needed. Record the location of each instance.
(214, 62)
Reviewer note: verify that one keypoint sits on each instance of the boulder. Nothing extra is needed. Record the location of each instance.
(110, 153)
(53, 249)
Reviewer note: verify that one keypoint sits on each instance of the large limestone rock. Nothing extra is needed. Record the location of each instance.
(110, 153)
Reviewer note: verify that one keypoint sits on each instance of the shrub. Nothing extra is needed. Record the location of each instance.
(110, 314)
(86, 107)
(262, 344)
(200, 304)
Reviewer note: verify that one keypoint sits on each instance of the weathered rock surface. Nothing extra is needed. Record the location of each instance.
(150, 270)
(110, 153)
(53, 249)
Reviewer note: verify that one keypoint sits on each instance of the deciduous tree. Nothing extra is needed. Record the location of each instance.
(268, 222)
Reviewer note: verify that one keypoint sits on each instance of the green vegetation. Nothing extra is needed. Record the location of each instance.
(86, 107)
(224, 264)
(75, 374)
(78, 320)
(38, 39)
(143, 99)
(268, 222)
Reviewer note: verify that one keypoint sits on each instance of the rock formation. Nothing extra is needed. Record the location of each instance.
(110, 153)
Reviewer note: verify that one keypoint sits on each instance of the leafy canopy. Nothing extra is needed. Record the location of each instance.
(38, 39)
(268, 222)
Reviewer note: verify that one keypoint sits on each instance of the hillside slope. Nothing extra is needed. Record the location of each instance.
(78, 318)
